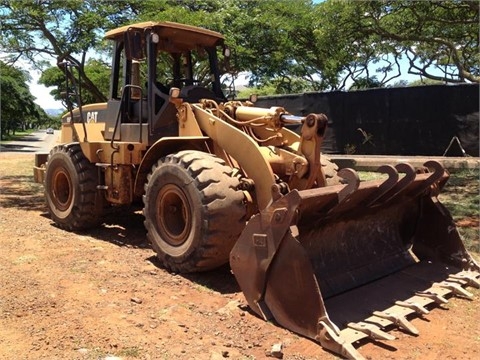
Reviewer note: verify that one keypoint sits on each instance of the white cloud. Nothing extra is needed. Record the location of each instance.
(43, 97)
(42, 93)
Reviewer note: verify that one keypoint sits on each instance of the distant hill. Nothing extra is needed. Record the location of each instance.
(54, 112)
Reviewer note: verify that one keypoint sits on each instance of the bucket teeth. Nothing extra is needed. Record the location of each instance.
(434, 296)
(398, 320)
(386, 186)
(469, 278)
(372, 331)
(405, 181)
(457, 289)
(332, 340)
(353, 244)
(352, 179)
(439, 175)
(419, 309)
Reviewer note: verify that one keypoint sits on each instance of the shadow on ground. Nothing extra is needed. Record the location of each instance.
(19, 191)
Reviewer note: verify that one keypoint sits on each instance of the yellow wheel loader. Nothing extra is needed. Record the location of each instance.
(317, 251)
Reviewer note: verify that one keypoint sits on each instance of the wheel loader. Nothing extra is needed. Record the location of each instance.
(313, 249)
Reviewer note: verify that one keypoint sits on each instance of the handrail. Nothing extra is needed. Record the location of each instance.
(78, 94)
(117, 121)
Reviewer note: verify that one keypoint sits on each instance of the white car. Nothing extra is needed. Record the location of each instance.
(50, 131)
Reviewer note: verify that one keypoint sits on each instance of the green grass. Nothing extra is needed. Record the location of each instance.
(134, 352)
(19, 135)
(461, 196)
(371, 175)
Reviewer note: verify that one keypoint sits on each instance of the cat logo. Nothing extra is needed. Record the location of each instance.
(92, 116)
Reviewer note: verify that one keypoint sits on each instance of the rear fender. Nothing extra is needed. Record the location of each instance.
(161, 148)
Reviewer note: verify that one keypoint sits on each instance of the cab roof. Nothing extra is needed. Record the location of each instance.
(187, 35)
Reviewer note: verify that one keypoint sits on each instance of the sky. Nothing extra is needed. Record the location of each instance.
(42, 93)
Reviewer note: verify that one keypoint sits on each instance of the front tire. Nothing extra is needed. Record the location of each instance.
(194, 212)
(73, 200)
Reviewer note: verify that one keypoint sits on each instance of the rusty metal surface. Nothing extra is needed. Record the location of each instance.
(383, 293)
(371, 241)
(292, 293)
(392, 301)
(254, 251)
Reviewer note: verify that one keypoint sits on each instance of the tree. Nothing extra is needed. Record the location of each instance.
(423, 82)
(302, 46)
(63, 30)
(284, 45)
(365, 83)
(439, 39)
(18, 109)
(264, 36)
(97, 71)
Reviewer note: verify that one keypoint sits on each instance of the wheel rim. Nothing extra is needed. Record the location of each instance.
(62, 189)
(174, 217)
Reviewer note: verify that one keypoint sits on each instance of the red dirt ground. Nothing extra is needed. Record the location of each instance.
(102, 295)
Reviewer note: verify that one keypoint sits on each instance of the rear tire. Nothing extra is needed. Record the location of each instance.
(194, 212)
(73, 200)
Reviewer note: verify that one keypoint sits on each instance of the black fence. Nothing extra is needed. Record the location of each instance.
(426, 120)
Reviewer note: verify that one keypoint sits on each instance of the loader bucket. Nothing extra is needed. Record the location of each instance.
(346, 262)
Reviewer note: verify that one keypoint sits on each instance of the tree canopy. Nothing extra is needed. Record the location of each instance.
(63, 30)
(285, 46)
(438, 39)
(18, 110)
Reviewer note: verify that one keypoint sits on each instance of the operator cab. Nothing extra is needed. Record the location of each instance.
(149, 59)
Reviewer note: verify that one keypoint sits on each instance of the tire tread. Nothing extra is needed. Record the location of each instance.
(222, 203)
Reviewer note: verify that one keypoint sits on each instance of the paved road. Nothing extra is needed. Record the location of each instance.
(38, 141)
